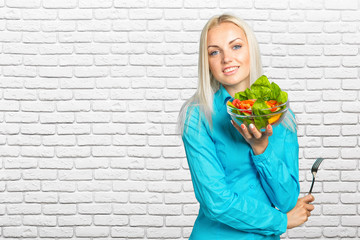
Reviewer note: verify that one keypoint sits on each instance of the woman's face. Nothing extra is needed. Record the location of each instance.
(229, 57)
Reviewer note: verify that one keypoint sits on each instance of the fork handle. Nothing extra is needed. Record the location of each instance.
(312, 184)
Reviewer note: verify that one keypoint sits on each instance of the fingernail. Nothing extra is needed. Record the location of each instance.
(269, 127)
(251, 125)
(243, 126)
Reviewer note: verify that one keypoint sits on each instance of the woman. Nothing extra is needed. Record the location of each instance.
(245, 181)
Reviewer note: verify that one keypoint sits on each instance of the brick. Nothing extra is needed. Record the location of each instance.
(350, 220)
(350, 84)
(308, 50)
(112, 14)
(323, 61)
(65, 175)
(339, 209)
(58, 186)
(350, 130)
(346, 5)
(72, 152)
(71, 221)
(134, 186)
(76, 197)
(339, 142)
(177, 221)
(95, 3)
(346, 50)
(164, 232)
(351, 38)
(343, 118)
(322, 16)
(339, 187)
(101, 174)
(41, 198)
(105, 220)
(183, 14)
(130, 26)
(350, 198)
(350, 176)
(6, 221)
(146, 197)
(93, 231)
(350, 153)
(23, 186)
(75, 14)
(145, 14)
(98, 186)
(130, 209)
(23, 163)
(339, 96)
(306, 73)
(177, 37)
(165, 164)
(166, 187)
(155, 221)
(128, 163)
(340, 73)
(19, 232)
(24, 4)
(130, 4)
(323, 39)
(22, 209)
(91, 163)
(339, 27)
(349, 15)
(340, 165)
(13, 198)
(53, 232)
(128, 232)
(308, 4)
(320, 221)
(94, 208)
(301, 233)
(148, 175)
(339, 232)
(191, 209)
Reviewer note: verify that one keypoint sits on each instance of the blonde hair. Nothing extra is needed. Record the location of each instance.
(207, 84)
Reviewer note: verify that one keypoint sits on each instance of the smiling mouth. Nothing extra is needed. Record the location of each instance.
(231, 69)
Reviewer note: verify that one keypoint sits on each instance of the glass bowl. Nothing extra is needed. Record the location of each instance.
(241, 116)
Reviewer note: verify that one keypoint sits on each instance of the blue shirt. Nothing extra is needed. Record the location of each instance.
(237, 190)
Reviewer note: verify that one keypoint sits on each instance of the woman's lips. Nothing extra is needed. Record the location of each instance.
(230, 70)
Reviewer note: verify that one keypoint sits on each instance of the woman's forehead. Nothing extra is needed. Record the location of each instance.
(224, 32)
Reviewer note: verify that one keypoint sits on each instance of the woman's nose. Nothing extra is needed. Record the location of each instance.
(227, 57)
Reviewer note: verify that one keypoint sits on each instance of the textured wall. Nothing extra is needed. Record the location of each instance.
(90, 91)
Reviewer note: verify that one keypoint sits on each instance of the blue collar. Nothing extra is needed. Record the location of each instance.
(221, 97)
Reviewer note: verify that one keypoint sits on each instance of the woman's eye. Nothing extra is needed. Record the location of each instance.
(213, 53)
(237, 47)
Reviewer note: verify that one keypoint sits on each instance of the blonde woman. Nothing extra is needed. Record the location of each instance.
(246, 181)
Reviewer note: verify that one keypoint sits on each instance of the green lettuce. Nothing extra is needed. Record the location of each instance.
(262, 90)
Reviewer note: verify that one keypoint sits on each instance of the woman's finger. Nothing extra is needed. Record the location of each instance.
(309, 207)
(269, 130)
(257, 134)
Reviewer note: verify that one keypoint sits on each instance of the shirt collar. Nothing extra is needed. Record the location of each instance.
(221, 97)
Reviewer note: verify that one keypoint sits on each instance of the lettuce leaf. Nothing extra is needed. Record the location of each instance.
(263, 89)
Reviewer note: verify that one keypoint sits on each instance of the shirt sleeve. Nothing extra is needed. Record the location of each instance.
(278, 168)
(217, 200)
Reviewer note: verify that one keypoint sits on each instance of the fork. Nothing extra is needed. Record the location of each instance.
(314, 170)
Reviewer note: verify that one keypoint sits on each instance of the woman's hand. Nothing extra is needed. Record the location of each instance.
(301, 212)
(257, 140)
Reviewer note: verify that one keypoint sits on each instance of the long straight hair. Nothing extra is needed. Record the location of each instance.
(207, 84)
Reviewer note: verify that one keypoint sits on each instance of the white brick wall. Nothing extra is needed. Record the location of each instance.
(89, 96)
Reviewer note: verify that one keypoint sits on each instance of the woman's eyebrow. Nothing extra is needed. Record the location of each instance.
(229, 42)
